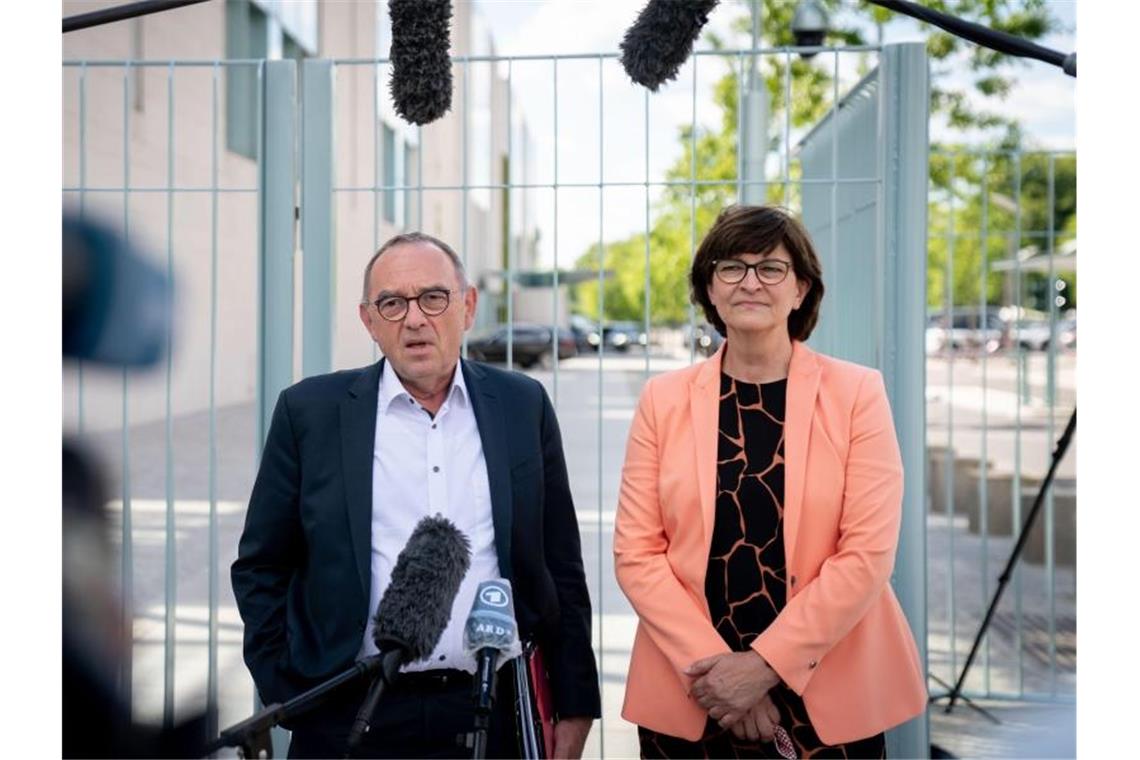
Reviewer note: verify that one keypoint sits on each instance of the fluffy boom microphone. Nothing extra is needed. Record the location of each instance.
(421, 63)
(416, 607)
(661, 39)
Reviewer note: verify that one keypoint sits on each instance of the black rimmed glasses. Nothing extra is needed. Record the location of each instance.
(431, 302)
(768, 271)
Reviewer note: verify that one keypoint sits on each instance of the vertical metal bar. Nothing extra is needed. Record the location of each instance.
(832, 253)
(171, 536)
(601, 385)
(951, 457)
(419, 177)
(212, 633)
(82, 215)
(1050, 433)
(983, 478)
(465, 194)
(317, 229)
(1016, 523)
(788, 127)
(740, 134)
(127, 685)
(555, 321)
(693, 209)
(903, 183)
(510, 289)
(648, 305)
(374, 118)
(276, 211)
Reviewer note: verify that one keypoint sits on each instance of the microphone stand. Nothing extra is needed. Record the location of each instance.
(251, 736)
(484, 695)
(1007, 573)
(390, 665)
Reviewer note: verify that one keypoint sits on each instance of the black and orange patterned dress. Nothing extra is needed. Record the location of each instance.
(745, 583)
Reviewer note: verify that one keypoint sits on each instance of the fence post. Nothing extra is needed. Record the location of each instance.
(276, 216)
(276, 242)
(904, 103)
(317, 232)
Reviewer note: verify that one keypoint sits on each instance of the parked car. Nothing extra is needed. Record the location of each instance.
(621, 335)
(530, 345)
(708, 340)
(1032, 334)
(585, 332)
(1067, 333)
(972, 330)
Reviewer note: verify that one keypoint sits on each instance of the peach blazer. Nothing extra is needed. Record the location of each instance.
(841, 642)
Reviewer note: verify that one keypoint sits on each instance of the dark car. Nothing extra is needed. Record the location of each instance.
(619, 336)
(530, 345)
(585, 332)
(708, 340)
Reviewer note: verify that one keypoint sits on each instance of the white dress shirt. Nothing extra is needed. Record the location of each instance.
(420, 467)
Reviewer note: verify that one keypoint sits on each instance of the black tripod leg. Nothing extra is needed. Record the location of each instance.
(1058, 453)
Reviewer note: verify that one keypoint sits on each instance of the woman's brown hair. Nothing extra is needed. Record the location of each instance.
(759, 229)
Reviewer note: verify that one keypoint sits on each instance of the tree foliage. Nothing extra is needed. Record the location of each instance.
(959, 180)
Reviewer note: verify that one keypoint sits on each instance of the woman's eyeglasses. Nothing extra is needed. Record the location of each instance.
(768, 271)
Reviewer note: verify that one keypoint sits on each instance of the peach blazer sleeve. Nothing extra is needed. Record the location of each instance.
(851, 579)
(676, 621)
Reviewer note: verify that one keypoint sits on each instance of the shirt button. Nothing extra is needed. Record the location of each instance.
(442, 657)
(435, 469)
(433, 426)
(812, 664)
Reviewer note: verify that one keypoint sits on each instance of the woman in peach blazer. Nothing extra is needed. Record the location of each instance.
(757, 525)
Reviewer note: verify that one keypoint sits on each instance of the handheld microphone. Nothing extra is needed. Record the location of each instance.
(662, 38)
(490, 633)
(421, 58)
(415, 608)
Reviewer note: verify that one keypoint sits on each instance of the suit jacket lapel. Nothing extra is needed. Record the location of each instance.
(704, 406)
(358, 442)
(491, 420)
(803, 385)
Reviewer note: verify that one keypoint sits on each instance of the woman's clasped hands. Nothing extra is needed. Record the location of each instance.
(734, 688)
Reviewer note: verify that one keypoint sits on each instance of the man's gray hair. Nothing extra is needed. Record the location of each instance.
(415, 237)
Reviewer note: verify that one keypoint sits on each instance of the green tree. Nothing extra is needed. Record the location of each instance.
(682, 215)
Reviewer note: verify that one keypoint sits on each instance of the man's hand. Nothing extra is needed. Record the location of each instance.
(729, 685)
(759, 723)
(570, 737)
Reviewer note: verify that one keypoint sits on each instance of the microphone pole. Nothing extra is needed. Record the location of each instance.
(490, 631)
(993, 39)
(390, 666)
(252, 734)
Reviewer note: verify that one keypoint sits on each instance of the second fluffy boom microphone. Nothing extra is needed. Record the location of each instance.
(662, 38)
(421, 63)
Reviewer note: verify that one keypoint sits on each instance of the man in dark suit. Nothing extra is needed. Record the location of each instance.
(352, 461)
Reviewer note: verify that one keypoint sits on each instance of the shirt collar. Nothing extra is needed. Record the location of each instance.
(392, 389)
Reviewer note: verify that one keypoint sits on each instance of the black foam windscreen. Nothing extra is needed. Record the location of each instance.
(661, 39)
(421, 59)
(416, 607)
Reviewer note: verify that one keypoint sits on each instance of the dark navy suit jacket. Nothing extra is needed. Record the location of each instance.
(303, 570)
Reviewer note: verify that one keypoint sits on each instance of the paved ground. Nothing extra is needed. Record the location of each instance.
(1022, 653)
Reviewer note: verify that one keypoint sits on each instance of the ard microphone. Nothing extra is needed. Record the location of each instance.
(421, 58)
(490, 633)
(416, 606)
(662, 38)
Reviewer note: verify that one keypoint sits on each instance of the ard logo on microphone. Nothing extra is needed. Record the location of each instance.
(493, 597)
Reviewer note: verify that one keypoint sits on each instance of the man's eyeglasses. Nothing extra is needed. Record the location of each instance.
(768, 271)
(431, 302)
